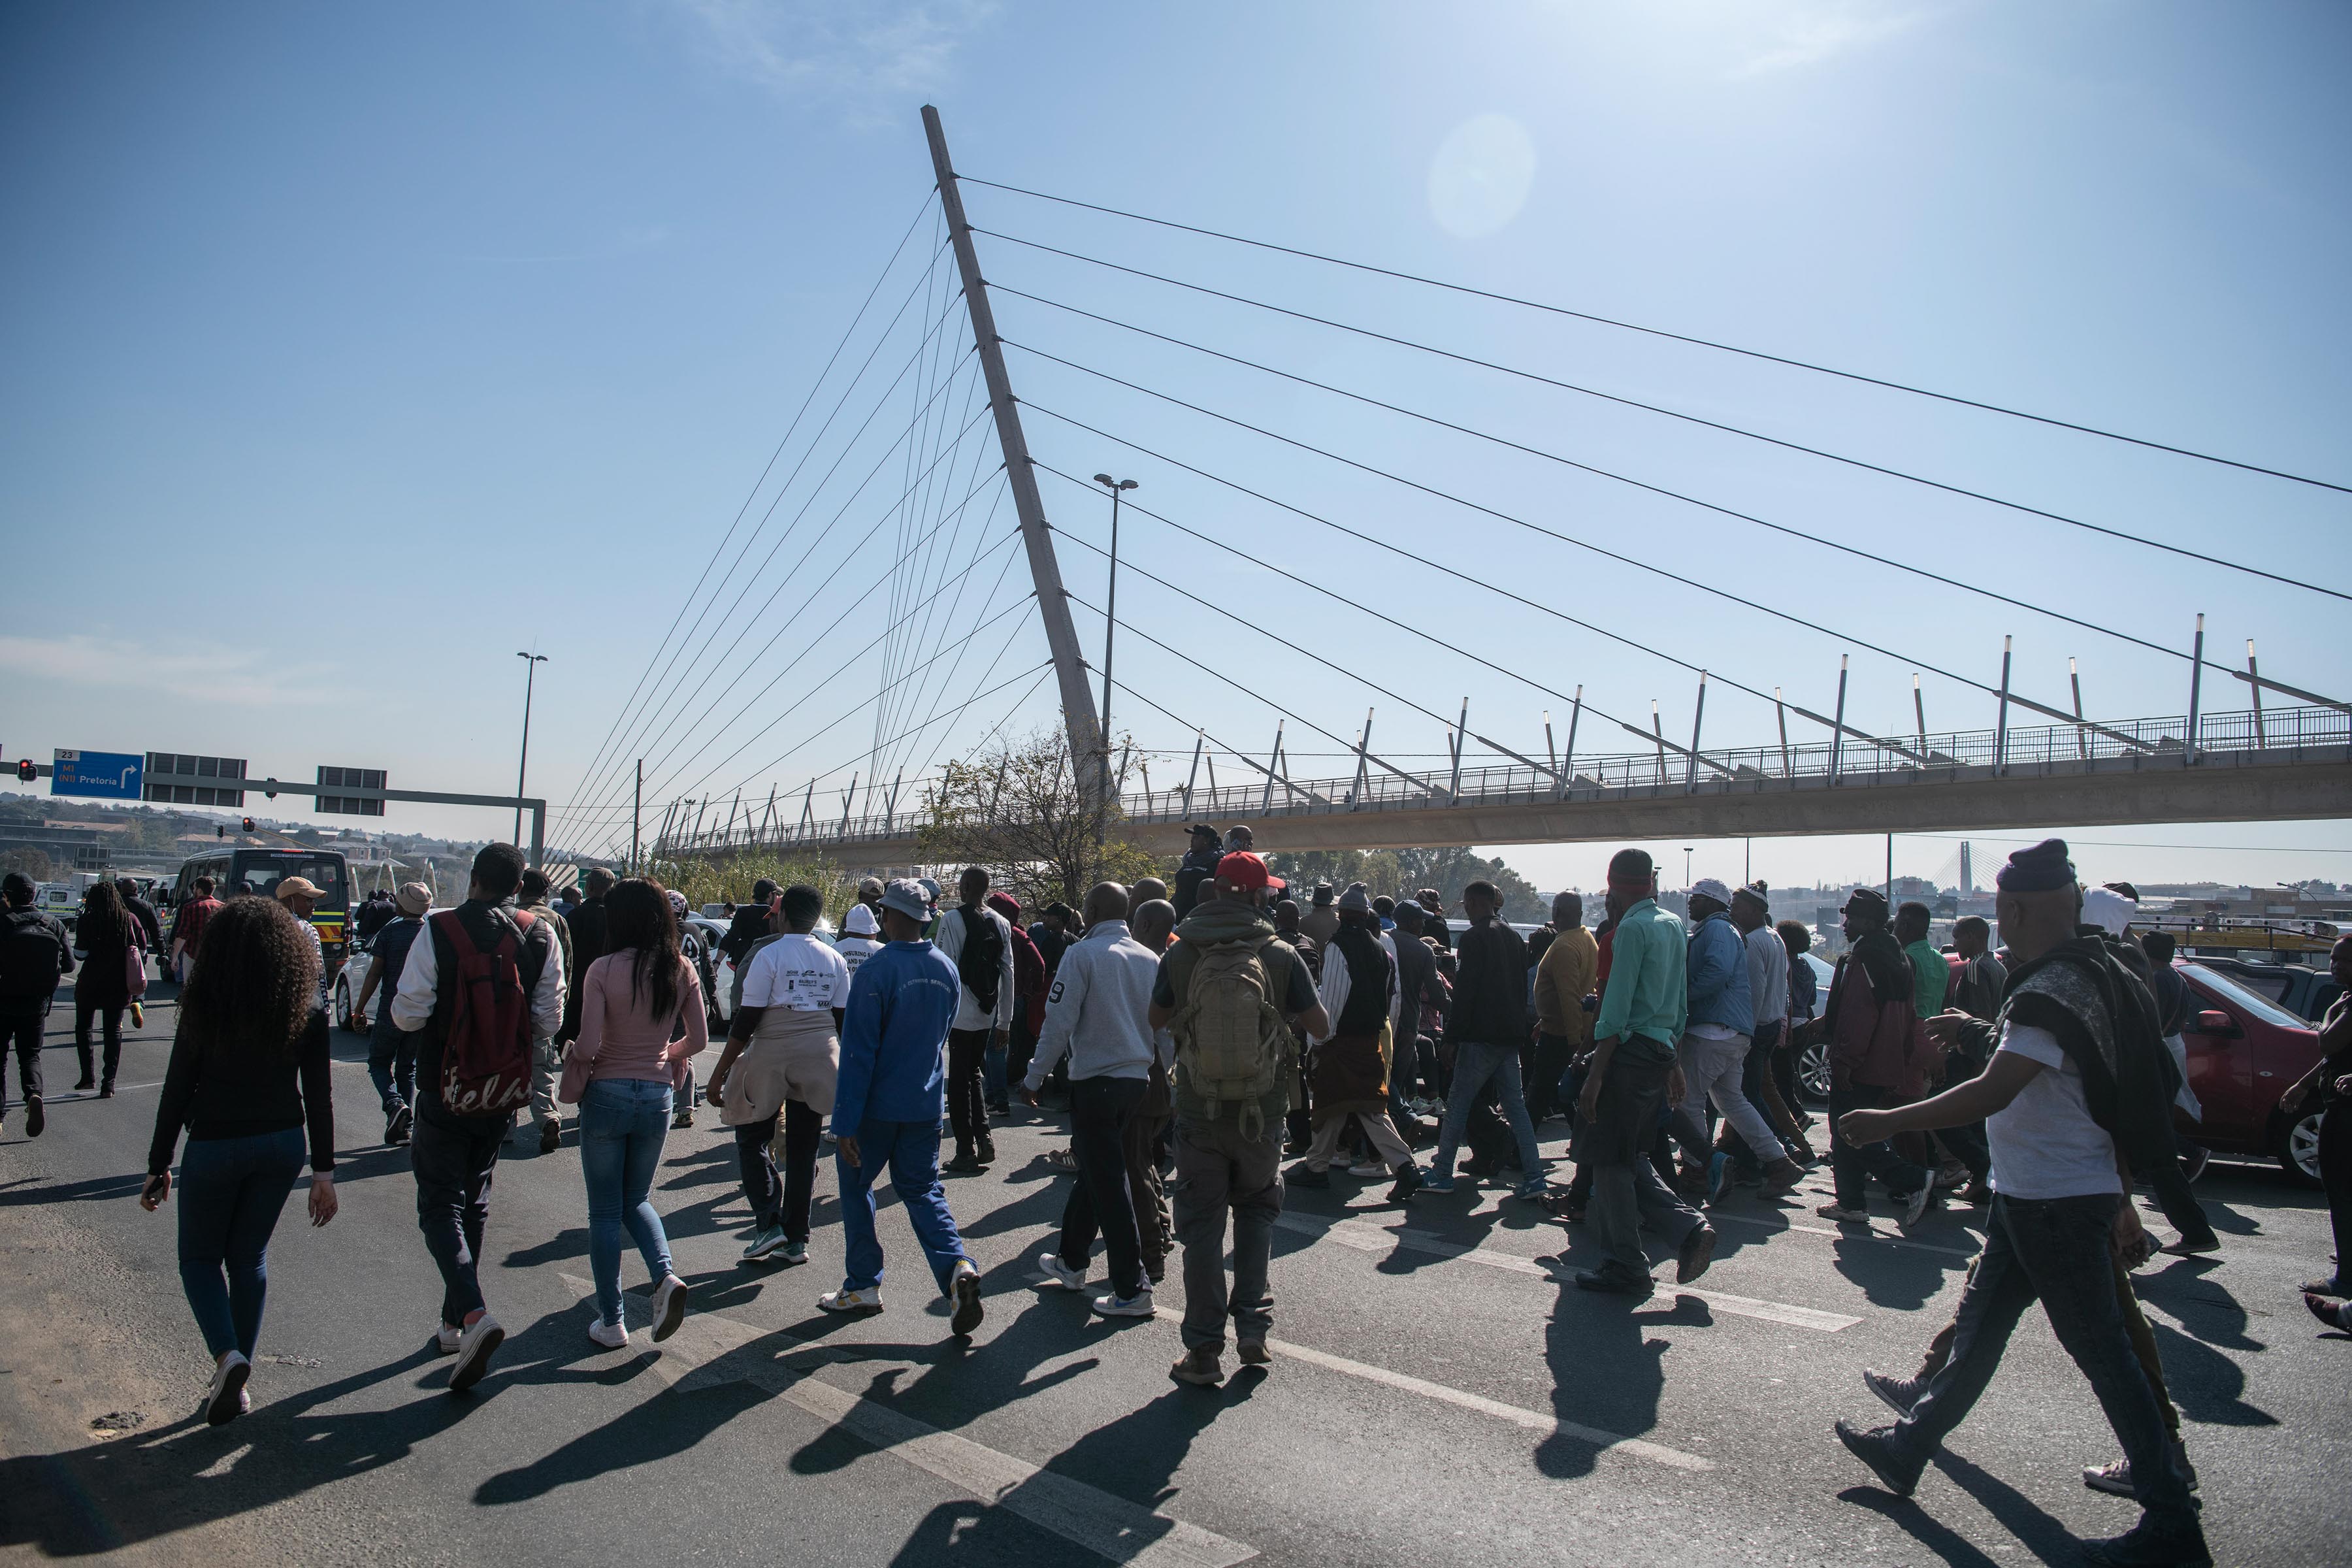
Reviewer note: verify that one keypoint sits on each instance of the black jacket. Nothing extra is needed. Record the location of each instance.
(34, 953)
(1197, 867)
(1490, 994)
(586, 921)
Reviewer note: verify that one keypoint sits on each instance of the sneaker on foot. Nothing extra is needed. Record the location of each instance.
(1368, 1167)
(2145, 1545)
(1304, 1175)
(962, 1166)
(848, 1300)
(1253, 1352)
(221, 1405)
(551, 1136)
(1118, 1306)
(475, 1347)
(1060, 1273)
(1897, 1394)
(1842, 1214)
(1408, 1182)
(2328, 1310)
(683, 1119)
(987, 1155)
(1719, 1176)
(765, 1245)
(793, 1252)
(1781, 1176)
(2325, 1287)
(1200, 1367)
(2188, 1247)
(445, 1340)
(1876, 1449)
(965, 1288)
(36, 1117)
(1609, 1280)
(1533, 1189)
(396, 1125)
(1916, 1204)
(669, 1307)
(611, 1336)
(1437, 1181)
(1697, 1251)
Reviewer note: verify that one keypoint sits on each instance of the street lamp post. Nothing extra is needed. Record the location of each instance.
(531, 661)
(1686, 858)
(1111, 623)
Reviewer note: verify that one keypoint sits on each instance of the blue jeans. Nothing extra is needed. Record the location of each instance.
(392, 1062)
(2054, 1251)
(623, 1121)
(992, 1074)
(911, 1150)
(1476, 1062)
(232, 1191)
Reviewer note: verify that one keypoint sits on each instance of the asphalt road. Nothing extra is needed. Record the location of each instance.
(1439, 1392)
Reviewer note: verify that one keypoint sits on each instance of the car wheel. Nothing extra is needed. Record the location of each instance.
(1814, 1069)
(342, 1003)
(2298, 1150)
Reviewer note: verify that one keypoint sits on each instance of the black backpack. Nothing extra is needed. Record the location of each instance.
(979, 961)
(30, 946)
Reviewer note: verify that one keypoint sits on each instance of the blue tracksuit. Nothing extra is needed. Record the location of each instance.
(890, 1096)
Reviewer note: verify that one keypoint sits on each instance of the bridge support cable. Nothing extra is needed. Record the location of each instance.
(753, 494)
(1089, 752)
(1948, 488)
(591, 779)
(940, 696)
(1759, 355)
(674, 674)
(924, 690)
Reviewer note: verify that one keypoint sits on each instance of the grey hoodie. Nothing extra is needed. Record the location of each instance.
(1099, 1009)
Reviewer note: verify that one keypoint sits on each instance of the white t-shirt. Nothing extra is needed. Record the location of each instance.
(855, 950)
(2043, 1142)
(798, 972)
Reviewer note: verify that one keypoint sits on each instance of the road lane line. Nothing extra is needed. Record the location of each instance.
(1108, 1525)
(1845, 1235)
(1364, 1236)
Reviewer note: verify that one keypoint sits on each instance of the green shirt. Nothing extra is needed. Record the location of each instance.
(1647, 995)
(1930, 975)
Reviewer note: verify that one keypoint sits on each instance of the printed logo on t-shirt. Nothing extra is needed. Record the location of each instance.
(797, 973)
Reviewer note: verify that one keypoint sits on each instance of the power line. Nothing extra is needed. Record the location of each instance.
(1677, 337)
(1691, 500)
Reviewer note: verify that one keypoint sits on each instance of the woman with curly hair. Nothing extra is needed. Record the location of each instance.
(642, 1022)
(107, 932)
(248, 1070)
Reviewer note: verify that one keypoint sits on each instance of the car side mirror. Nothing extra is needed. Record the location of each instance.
(2215, 1022)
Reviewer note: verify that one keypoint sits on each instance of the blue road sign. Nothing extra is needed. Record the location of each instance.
(110, 775)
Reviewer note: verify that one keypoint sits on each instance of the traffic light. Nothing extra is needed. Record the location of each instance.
(246, 825)
(26, 770)
(220, 830)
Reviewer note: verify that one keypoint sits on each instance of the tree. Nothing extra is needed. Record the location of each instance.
(33, 862)
(1403, 872)
(1016, 810)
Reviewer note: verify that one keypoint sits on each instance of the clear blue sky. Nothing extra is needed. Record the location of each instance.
(349, 352)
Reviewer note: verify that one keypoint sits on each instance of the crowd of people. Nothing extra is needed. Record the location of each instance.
(1201, 1034)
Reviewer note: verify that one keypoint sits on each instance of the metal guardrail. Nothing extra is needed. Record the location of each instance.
(2159, 741)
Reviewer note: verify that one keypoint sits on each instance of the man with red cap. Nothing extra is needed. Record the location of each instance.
(1228, 990)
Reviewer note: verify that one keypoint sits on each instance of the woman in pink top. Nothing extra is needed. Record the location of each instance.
(641, 1021)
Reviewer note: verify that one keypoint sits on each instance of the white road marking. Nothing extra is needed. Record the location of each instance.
(1846, 1233)
(1106, 1524)
(1365, 1236)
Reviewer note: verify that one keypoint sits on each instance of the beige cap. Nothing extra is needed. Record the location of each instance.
(299, 888)
(413, 897)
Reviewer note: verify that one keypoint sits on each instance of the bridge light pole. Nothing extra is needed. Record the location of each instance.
(531, 663)
(1110, 602)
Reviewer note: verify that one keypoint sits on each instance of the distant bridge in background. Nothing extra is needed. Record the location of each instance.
(2274, 764)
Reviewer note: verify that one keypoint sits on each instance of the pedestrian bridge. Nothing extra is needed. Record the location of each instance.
(2267, 765)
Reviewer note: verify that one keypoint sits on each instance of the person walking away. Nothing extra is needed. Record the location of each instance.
(480, 985)
(1153, 923)
(859, 938)
(1298, 1121)
(1418, 992)
(1804, 1003)
(2071, 1091)
(1645, 1004)
(748, 923)
(1564, 977)
(975, 939)
(2169, 1179)
(2334, 1088)
(1098, 1016)
(1321, 921)
(546, 1052)
(1768, 994)
(1977, 980)
(1869, 1024)
(1360, 995)
(1434, 923)
(1198, 866)
(888, 1106)
(586, 924)
(1490, 1018)
(248, 1073)
(1028, 1008)
(34, 954)
(782, 1059)
(1721, 1021)
(391, 1051)
(642, 1019)
(188, 926)
(108, 938)
(151, 924)
(1229, 991)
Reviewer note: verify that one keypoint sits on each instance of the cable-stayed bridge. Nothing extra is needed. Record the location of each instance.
(888, 566)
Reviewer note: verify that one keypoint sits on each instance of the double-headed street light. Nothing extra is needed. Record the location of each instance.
(531, 663)
(1110, 613)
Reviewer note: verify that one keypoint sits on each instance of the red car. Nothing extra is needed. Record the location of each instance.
(2245, 1052)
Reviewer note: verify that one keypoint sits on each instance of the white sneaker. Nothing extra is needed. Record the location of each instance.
(1060, 1273)
(669, 1307)
(611, 1336)
(1368, 1168)
(1917, 1204)
(1116, 1306)
(223, 1401)
(848, 1300)
(445, 1340)
(475, 1347)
